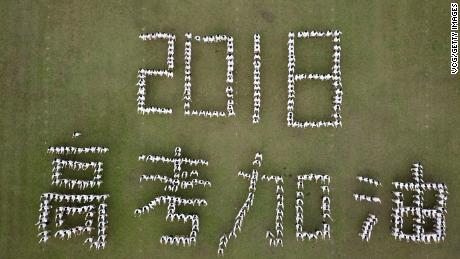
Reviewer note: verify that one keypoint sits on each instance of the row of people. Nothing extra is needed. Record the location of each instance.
(77, 183)
(168, 199)
(337, 78)
(369, 180)
(76, 165)
(421, 186)
(230, 100)
(320, 77)
(229, 81)
(66, 150)
(43, 219)
(363, 197)
(326, 204)
(143, 73)
(185, 174)
(78, 198)
(398, 213)
(174, 184)
(425, 238)
(69, 232)
(176, 161)
(208, 114)
(177, 240)
(367, 227)
(313, 124)
(276, 239)
(318, 34)
(157, 35)
(212, 38)
(253, 178)
(240, 216)
(257, 94)
(417, 172)
(322, 178)
(291, 80)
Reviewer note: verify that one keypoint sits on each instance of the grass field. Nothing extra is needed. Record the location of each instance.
(72, 65)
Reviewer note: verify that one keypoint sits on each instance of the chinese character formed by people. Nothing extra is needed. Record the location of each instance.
(179, 180)
(418, 211)
(91, 206)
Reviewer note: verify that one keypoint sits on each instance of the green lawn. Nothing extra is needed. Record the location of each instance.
(72, 65)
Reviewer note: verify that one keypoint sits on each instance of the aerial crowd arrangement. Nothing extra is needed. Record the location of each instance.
(95, 210)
